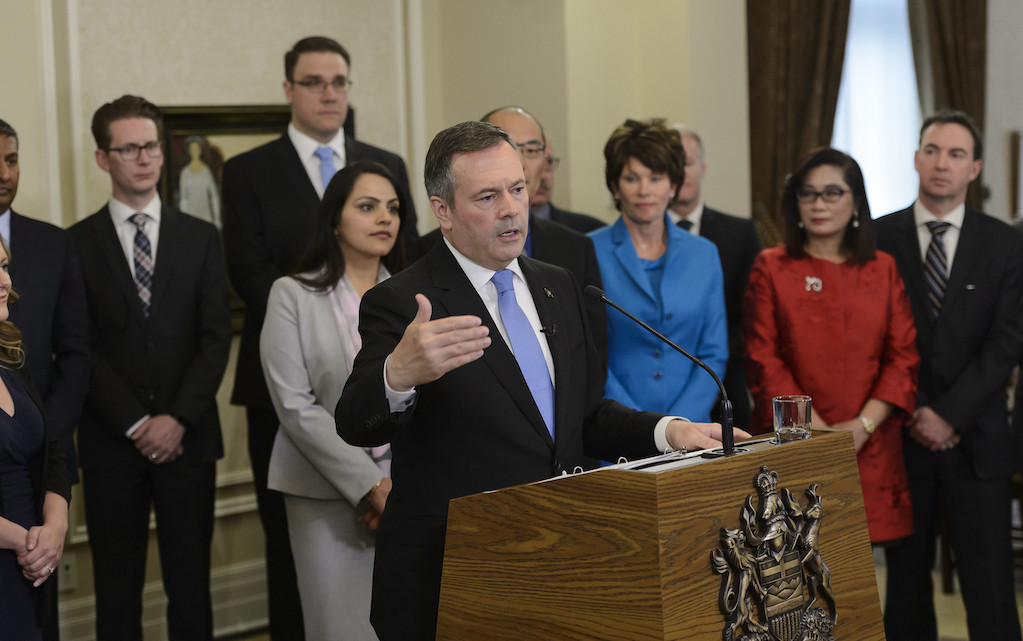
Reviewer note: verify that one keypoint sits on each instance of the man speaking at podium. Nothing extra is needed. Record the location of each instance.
(479, 368)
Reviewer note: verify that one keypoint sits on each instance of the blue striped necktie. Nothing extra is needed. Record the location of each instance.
(936, 266)
(142, 253)
(526, 347)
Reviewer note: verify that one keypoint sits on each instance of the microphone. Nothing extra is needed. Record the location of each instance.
(727, 435)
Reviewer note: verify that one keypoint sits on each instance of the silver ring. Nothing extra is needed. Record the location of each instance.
(50, 569)
(153, 456)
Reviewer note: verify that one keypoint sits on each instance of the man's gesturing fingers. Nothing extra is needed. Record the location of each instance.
(431, 348)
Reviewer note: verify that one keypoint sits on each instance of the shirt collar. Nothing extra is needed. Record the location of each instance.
(479, 275)
(922, 216)
(694, 216)
(121, 212)
(306, 146)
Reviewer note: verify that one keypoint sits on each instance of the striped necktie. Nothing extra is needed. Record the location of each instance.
(936, 266)
(142, 253)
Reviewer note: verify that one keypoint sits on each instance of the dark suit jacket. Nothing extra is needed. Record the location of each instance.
(474, 429)
(49, 474)
(50, 313)
(969, 352)
(738, 244)
(269, 209)
(582, 223)
(171, 363)
(557, 245)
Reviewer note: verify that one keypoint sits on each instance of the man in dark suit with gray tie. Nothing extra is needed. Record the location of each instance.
(271, 195)
(150, 432)
(964, 276)
(738, 244)
(460, 379)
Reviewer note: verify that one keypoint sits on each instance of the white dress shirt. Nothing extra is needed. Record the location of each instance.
(695, 217)
(950, 240)
(306, 148)
(120, 213)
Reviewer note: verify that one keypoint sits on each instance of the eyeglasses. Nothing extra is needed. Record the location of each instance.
(553, 162)
(808, 196)
(531, 150)
(340, 85)
(132, 151)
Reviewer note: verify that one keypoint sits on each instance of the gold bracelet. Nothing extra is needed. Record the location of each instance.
(374, 489)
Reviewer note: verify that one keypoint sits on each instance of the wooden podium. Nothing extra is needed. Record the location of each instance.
(626, 554)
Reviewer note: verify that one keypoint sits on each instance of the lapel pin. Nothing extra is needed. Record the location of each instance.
(548, 292)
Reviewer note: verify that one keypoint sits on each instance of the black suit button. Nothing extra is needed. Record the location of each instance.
(557, 467)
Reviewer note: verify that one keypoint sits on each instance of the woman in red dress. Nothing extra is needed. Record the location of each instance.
(827, 315)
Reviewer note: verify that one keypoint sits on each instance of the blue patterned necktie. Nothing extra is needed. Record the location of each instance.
(142, 254)
(936, 266)
(327, 168)
(526, 347)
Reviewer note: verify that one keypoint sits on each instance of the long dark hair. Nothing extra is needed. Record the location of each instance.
(859, 240)
(323, 263)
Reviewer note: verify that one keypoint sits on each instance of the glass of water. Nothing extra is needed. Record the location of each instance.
(791, 417)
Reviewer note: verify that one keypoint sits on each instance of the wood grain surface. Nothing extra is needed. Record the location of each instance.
(625, 555)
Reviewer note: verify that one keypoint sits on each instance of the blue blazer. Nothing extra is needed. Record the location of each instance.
(689, 309)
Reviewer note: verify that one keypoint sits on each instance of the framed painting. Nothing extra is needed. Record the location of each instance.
(197, 141)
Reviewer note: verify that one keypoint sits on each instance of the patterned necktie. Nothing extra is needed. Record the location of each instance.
(936, 266)
(526, 347)
(142, 254)
(686, 224)
(327, 168)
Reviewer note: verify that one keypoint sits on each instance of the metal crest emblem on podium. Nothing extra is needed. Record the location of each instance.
(775, 585)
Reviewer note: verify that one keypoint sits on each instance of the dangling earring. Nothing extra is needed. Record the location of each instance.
(799, 224)
(856, 220)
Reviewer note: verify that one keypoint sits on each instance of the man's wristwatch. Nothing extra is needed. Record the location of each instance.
(868, 425)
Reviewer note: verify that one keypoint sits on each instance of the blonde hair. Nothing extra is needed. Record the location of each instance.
(11, 354)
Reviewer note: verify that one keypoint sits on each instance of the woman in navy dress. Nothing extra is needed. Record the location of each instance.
(34, 488)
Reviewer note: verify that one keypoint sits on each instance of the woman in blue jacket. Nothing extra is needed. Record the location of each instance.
(664, 275)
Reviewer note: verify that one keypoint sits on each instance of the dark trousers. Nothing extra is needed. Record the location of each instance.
(285, 607)
(979, 519)
(117, 506)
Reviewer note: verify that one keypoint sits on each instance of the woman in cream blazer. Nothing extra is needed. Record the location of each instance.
(334, 493)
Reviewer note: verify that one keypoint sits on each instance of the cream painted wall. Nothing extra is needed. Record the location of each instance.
(195, 52)
(583, 66)
(27, 105)
(1004, 101)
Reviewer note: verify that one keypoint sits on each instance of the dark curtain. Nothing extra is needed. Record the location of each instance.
(950, 51)
(796, 50)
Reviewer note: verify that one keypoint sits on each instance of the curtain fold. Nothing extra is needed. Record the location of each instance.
(796, 52)
(951, 47)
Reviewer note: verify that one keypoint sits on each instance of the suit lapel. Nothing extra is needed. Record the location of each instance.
(456, 296)
(908, 248)
(625, 254)
(547, 299)
(113, 255)
(167, 256)
(294, 172)
(967, 250)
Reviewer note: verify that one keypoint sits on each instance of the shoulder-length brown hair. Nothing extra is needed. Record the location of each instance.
(859, 240)
(323, 264)
(11, 354)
